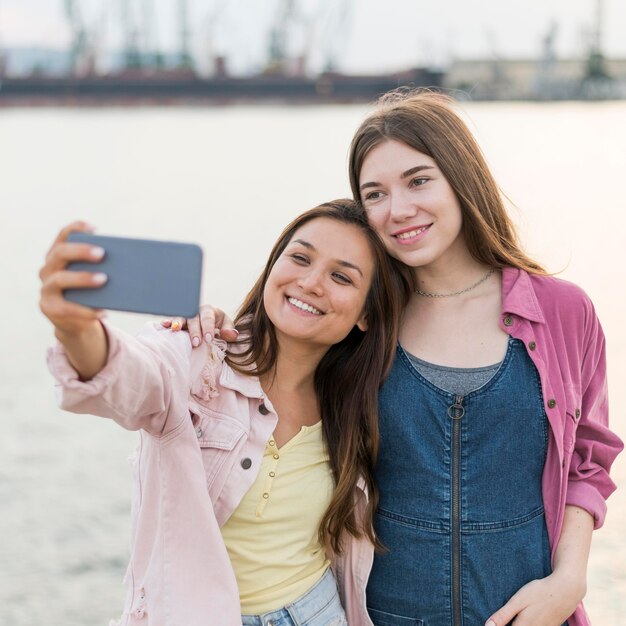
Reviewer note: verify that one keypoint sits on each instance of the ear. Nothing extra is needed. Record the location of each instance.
(362, 323)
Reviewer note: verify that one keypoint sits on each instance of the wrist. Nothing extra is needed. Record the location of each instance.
(86, 348)
(572, 580)
(77, 335)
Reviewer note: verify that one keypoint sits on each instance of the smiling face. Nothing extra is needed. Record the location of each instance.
(410, 204)
(316, 290)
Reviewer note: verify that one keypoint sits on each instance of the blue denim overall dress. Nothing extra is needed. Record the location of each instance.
(461, 509)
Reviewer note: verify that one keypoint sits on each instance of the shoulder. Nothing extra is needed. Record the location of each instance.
(552, 287)
(562, 296)
(547, 299)
(567, 306)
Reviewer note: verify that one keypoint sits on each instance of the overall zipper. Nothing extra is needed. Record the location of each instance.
(456, 413)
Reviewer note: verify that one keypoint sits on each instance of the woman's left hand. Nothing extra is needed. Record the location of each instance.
(209, 322)
(545, 602)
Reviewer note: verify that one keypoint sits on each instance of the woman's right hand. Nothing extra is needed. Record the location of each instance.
(210, 322)
(77, 327)
(68, 317)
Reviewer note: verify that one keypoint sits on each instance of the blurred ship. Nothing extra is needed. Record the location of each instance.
(176, 87)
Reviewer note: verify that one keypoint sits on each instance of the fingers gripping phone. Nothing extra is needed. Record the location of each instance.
(144, 276)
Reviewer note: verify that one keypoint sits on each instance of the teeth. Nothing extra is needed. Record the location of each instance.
(412, 233)
(304, 306)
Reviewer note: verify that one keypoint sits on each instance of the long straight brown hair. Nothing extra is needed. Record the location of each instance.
(348, 377)
(427, 122)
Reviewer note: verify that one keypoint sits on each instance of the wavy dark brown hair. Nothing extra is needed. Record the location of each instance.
(426, 121)
(348, 377)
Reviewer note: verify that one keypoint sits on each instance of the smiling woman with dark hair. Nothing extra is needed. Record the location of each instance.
(254, 470)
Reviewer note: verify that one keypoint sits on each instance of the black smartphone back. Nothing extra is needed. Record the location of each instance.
(144, 276)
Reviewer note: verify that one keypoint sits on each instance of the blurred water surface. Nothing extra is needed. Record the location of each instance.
(230, 178)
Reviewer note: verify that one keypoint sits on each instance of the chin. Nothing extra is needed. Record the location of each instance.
(411, 258)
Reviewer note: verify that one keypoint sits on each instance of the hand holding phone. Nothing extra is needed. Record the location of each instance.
(143, 276)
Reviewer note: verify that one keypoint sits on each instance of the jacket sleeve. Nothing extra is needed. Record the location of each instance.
(595, 446)
(144, 385)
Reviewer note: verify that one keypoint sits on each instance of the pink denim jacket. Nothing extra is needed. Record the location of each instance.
(557, 323)
(203, 430)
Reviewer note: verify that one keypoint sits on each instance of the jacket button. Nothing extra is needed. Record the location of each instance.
(246, 463)
(577, 414)
(263, 410)
(508, 321)
(532, 345)
(551, 403)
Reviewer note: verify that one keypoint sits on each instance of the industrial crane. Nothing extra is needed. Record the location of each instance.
(78, 48)
(279, 34)
(132, 54)
(595, 60)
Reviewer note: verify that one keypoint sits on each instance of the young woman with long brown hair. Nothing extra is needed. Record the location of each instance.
(495, 451)
(255, 464)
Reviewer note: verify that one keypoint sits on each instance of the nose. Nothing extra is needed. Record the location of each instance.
(401, 206)
(310, 281)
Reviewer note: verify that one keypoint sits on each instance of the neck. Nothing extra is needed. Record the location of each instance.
(294, 369)
(453, 271)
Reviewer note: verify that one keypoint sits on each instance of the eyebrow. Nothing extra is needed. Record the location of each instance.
(310, 246)
(409, 172)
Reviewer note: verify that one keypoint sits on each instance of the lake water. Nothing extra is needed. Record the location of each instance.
(230, 178)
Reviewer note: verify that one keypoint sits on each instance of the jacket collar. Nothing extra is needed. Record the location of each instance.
(248, 386)
(207, 364)
(518, 295)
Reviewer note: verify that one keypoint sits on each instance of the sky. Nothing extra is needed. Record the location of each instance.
(360, 35)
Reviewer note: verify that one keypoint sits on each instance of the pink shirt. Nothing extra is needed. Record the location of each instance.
(179, 573)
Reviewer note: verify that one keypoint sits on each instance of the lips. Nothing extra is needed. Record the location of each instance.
(408, 235)
(305, 307)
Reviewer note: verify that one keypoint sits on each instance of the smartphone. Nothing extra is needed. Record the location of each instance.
(144, 276)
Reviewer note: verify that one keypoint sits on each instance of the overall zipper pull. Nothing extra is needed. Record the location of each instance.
(456, 411)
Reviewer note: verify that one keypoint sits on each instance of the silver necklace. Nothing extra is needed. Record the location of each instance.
(430, 294)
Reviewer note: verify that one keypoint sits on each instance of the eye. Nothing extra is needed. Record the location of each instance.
(341, 278)
(419, 181)
(299, 258)
(373, 195)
